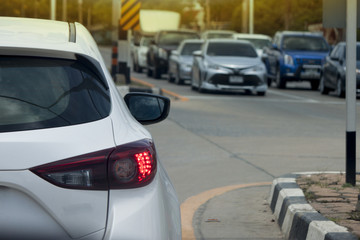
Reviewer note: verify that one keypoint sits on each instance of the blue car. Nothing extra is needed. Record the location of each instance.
(296, 56)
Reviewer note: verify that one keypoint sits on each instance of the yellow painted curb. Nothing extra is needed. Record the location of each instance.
(190, 205)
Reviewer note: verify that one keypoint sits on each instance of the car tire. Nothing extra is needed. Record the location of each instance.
(156, 72)
(170, 77)
(315, 84)
(280, 82)
(261, 93)
(178, 80)
(340, 91)
(322, 88)
(149, 72)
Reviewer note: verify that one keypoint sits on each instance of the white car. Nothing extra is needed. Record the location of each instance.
(260, 41)
(228, 65)
(75, 164)
(139, 53)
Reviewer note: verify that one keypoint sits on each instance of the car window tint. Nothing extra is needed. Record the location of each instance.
(231, 50)
(174, 38)
(335, 52)
(189, 48)
(38, 93)
(302, 43)
(258, 43)
(219, 35)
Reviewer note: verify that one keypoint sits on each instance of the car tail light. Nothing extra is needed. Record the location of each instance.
(127, 166)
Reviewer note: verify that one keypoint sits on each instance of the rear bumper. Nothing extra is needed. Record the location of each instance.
(151, 212)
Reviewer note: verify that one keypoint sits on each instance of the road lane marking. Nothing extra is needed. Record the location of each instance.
(190, 205)
(175, 95)
(142, 82)
(163, 90)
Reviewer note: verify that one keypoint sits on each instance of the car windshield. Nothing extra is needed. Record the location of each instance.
(304, 43)
(38, 93)
(145, 41)
(219, 35)
(189, 48)
(231, 49)
(174, 38)
(258, 43)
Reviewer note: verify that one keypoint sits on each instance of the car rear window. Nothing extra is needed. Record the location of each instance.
(175, 38)
(229, 49)
(37, 93)
(304, 43)
(189, 48)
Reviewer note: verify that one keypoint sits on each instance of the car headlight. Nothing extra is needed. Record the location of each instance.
(162, 53)
(258, 68)
(288, 60)
(211, 65)
(186, 66)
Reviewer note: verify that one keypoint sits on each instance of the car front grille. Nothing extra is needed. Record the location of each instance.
(308, 61)
(223, 79)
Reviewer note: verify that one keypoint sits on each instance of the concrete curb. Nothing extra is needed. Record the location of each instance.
(298, 219)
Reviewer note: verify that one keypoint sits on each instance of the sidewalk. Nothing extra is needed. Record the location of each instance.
(315, 206)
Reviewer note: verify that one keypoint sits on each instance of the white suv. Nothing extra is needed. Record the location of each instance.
(75, 164)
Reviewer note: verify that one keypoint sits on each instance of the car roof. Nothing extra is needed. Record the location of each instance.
(226, 40)
(26, 34)
(218, 31)
(301, 33)
(252, 36)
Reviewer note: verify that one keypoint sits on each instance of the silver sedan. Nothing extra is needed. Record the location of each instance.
(181, 60)
(228, 65)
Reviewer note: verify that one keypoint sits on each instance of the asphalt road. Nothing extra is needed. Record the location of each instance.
(212, 141)
(222, 151)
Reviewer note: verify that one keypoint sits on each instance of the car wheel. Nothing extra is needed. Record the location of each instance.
(340, 91)
(149, 72)
(139, 69)
(156, 73)
(192, 81)
(170, 77)
(261, 93)
(280, 82)
(315, 84)
(178, 80)
(323, 89)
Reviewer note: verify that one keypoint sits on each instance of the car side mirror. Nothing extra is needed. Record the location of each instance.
(274, 46)
(198, 54)
(175, 53)
(147, 108)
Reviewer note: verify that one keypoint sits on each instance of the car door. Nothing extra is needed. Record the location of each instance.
(332, 67)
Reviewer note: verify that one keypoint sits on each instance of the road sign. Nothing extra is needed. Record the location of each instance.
(130, 15)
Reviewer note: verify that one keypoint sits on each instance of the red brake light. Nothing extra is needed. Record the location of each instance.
(132, 165)
(127, 166)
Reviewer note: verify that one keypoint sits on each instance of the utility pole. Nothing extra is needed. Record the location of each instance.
(64, 10)
(53, 10)
(244, 27)
(351, 9)
(251, 16)
(80, 11)
(207, 7)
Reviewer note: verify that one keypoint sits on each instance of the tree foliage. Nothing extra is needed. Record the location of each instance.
(269, 15)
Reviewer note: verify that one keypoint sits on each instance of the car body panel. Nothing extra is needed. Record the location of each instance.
(299, 64)
(51, 212)
(160, 51)
(231, 73)
(180, 63)
(334, 68)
